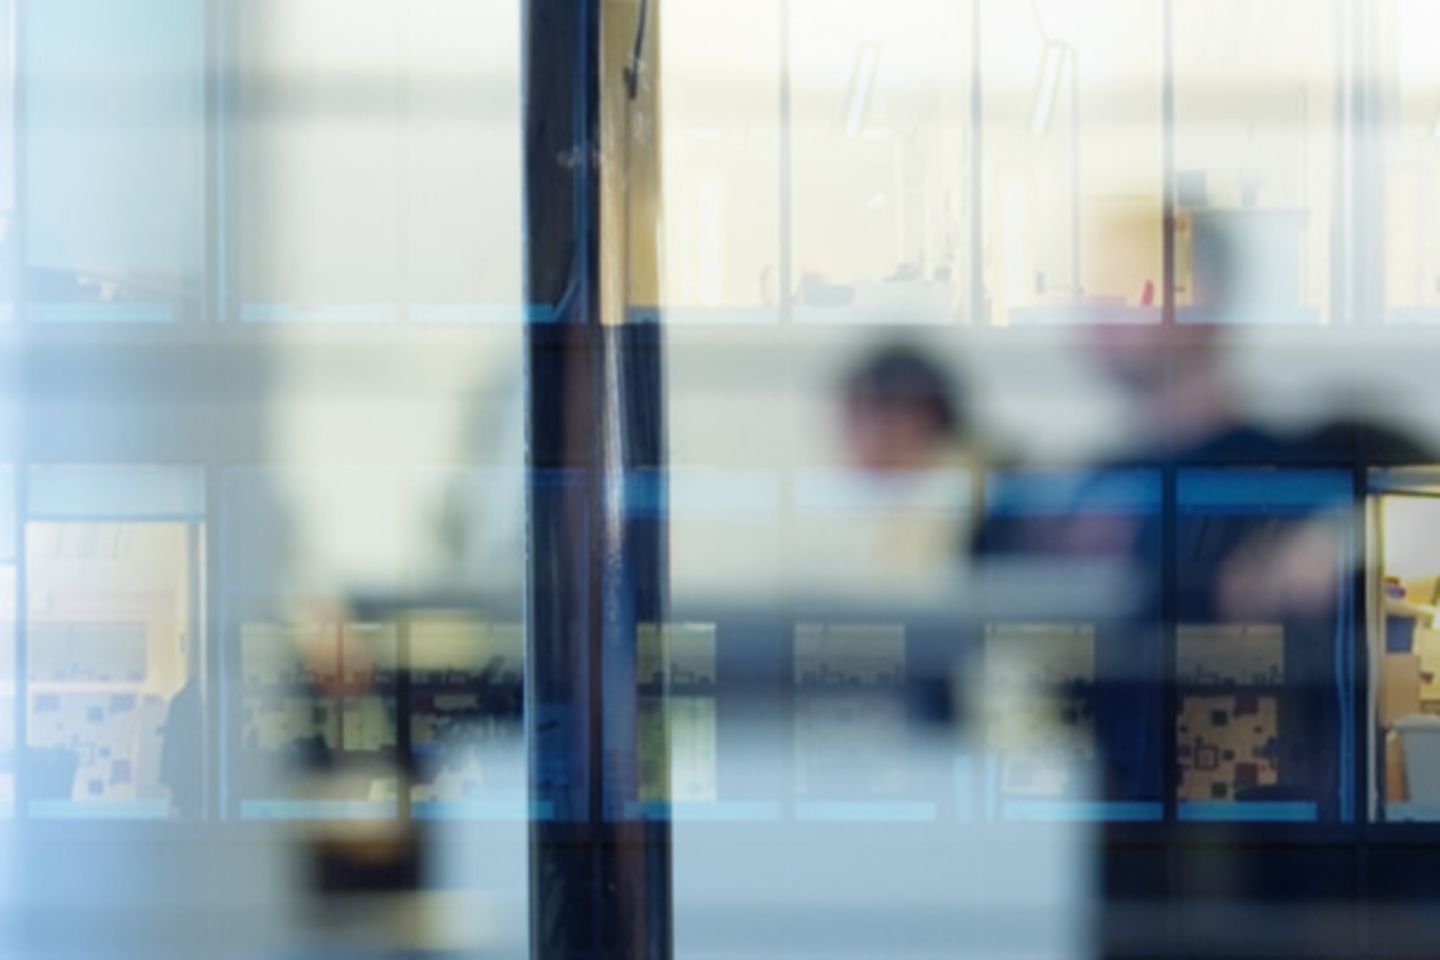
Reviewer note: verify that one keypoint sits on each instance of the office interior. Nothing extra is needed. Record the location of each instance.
(267, 581)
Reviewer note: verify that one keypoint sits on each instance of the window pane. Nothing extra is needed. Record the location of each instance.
(1072, 161)
(377, 161)
(1069, 680)
(721, 159)
(115, 686)
(1263, 658)
(1255, 167)
(120, 240)
(880, 156)
(466, 695)
(1407, 69)
(1405, 645)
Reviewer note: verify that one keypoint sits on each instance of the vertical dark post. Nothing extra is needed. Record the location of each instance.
(599, 870)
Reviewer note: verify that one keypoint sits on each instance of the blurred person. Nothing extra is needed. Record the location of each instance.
(892, 522)
(1286, 569)
(900, 411)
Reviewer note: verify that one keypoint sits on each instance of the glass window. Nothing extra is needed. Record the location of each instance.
(711, 679)
(880, 155)
(1067, 683)
(724, 533)
(1264, 667)
(1072, 161)
(850, 723)
(678, 713)
(881, 536)
(1406, 68)
(316, 731)
(1255, 160)
(466, 681)
(120, 240)
(116, 681)
(721, 136)
(1405, 643)
(376, 161)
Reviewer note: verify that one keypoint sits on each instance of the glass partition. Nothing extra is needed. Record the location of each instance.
(711, 679)
(721, 135)
(1071, 182)
(1410, 80)
(1264, 662)
(123, 240)
(1256, 154)
(116, 683)
(466, 680)
(361, 127)
(880, 152)
(1404, 643)
(1069, 689)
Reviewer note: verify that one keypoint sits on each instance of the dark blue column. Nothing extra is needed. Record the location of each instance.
(600, 880)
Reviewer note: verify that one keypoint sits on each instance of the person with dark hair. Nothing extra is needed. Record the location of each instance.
(900, 410)
(908, 462)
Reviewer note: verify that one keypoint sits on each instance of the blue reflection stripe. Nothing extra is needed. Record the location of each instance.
(754, 493)
(480, 314)
(99, 809)
(929, 492)
(492, 810)
(1085, 811)
(101, 312)
(1062, 492)
(1258, 811)
(702, 316)
(115, 492)
(1248, 490)
(733, 811)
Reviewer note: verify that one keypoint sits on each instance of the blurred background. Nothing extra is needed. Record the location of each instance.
(801, 478)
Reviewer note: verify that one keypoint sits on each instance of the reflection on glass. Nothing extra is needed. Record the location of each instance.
(113, 657)
(880, 536)
(720, 130)
(851, 736)
(1262, 650)
(118, 240)
(879, 125)
(317, 712)
(1407, 67)
(377, 165)
(1227, 738)
(466, 696)
(1070, 688)
(1405, 644)
(676, 676)
(1255, 159)
(1039, 711)
(724, 534)
(1071, 161)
